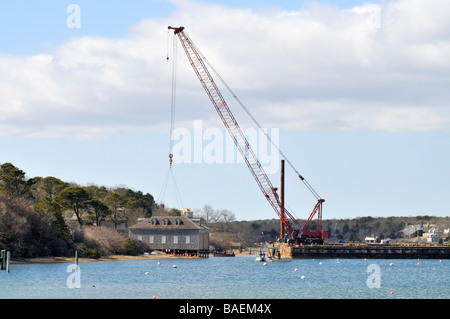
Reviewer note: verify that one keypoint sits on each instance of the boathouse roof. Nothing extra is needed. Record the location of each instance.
(169, 222)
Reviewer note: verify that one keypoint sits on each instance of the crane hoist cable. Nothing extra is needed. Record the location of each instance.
(173, 98)
(170, 177)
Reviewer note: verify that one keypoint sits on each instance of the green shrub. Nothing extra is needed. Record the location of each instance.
(89, 252)
(130, 247)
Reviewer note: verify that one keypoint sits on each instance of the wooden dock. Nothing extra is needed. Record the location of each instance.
(394, 251)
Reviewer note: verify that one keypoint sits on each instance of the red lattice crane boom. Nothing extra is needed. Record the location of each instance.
(197, 62)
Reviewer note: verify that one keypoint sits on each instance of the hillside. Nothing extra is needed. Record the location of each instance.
(249, 233)
(45, 216)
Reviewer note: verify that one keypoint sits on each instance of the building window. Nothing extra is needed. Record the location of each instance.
(151, 239)
(166, 221)
(188, 239)
(178, 222)
(154, 221)
(175, 239)
(163, 239)
(139, 237)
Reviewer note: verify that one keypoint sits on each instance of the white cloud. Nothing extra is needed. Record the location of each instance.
(377, 67)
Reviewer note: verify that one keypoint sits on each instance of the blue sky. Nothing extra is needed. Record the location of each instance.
(358, 93)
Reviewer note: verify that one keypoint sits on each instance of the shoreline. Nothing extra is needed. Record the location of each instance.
(155, 255)
(45, 260)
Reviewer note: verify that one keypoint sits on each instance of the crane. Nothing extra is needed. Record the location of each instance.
(303, 235)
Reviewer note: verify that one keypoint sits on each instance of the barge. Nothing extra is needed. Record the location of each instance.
(390, 251)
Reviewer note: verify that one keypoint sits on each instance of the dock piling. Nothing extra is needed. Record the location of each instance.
(8, 256)
(76, 260)
(2, 258)
(5, 257)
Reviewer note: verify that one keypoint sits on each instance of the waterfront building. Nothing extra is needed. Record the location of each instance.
(370, 240)
(180, 235)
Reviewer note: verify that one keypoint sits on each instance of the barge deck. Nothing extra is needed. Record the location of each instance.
(394, 251)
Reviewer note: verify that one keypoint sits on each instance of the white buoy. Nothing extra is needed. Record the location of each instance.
(174, 266)
(159, 263)
(295, 269)
(320, 263)
(265, 264)
(302, 277)
(391, 264)
(146, 272)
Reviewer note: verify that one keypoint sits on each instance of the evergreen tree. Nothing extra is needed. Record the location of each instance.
(74, 198)
(13, 181)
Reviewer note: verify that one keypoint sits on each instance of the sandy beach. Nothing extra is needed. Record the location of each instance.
(103, 258)
(154, 255)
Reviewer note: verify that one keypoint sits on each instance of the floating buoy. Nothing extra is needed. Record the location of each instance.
(174, 266)
(154, 297)
(391, 264)
(295, 269)
(265, 264)
(302, 277)
(320, 263)
(392, 292)
(146, 272)
(418, 264)
(159, 263)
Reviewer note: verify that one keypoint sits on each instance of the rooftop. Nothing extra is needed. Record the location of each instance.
(168, 222)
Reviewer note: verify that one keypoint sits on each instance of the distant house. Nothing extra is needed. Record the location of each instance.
(180, 235)
(370, 240)
(431, 237)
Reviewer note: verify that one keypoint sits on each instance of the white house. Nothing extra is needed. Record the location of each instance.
(433, 238)
(370, 240)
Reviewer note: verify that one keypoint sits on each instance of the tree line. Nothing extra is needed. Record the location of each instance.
(92, 205)
(46, 216)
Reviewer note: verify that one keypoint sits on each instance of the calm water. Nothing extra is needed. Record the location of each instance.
(237, 278)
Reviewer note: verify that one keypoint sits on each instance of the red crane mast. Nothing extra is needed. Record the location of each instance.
(270, 193)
